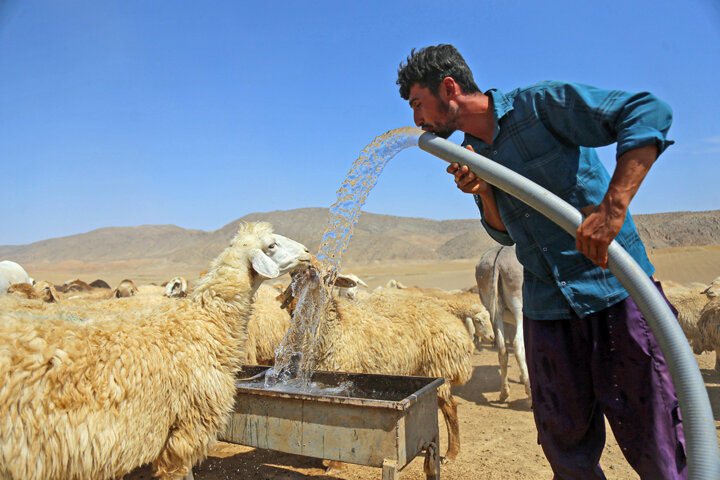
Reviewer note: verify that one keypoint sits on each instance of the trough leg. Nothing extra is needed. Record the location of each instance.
(390, 471)
(432, 461)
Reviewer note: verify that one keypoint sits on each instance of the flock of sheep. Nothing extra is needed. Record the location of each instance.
(96, 382)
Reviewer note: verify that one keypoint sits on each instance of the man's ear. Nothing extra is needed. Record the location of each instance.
(448, 88)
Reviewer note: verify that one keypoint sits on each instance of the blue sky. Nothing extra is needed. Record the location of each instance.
(121, 113)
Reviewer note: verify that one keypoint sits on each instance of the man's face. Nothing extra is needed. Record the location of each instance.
(432, 113)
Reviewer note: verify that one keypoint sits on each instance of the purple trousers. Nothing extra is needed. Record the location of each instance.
(607, 364)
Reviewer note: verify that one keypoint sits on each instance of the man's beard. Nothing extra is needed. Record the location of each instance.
(447, 128)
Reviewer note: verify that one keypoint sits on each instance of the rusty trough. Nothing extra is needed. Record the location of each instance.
(384, 421)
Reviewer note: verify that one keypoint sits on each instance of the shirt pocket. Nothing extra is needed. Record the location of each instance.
(553, 170)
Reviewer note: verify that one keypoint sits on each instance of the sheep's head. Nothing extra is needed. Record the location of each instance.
(126, 289)
(270, 254)
(713, 290)
(309, 280)
(483, 327)
(176, 288)
(47, 292)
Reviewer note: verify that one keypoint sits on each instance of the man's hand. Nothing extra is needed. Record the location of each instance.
(466, 180)
(603, 222)
(599, 228)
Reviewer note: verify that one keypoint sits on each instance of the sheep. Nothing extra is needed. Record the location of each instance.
(689, 301)
(463, 305)
(43, 290)
(99, 283)
(713, 289)
(99, 399)
(351, 292)
(267, 326)
(126, 288)
(499, 277)
(709, 331)
(176, 288)
(75, 285)
(392, 335)
(11, 272)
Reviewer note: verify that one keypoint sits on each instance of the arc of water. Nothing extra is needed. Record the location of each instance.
(311, 310)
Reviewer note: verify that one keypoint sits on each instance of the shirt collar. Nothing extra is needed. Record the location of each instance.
(502, 104)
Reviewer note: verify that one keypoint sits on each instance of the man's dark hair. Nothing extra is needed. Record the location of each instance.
(430, 65)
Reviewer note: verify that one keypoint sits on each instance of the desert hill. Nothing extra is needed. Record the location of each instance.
(377, 239)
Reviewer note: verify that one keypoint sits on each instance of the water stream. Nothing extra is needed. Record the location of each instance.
(295, 356)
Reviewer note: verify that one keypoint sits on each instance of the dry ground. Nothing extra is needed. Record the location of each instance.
(498, 440)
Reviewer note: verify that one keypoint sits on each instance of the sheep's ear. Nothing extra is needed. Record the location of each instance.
(344, 282)
(263, 264)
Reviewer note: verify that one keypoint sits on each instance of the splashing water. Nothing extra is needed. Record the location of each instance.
(294, 358)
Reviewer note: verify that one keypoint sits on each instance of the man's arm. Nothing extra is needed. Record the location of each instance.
(603, 222)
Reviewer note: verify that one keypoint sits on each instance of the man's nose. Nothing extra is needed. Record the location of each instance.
(418, 119)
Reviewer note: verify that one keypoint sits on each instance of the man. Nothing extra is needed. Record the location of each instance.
(590, 351)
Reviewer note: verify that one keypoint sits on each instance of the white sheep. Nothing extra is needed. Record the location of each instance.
(351, 292)
(176, 288)
(11, 272)
(43, 290)
(464, 305)
(267, 326)
(499, 277)
(97, 399)
(689, 300)
(392, 335)
(126, 288)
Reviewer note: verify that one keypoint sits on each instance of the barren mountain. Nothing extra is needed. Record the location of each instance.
(376, 238)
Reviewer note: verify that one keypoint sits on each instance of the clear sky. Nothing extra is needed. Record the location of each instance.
(133, 112)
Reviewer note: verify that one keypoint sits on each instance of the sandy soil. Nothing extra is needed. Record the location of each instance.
(498, 440)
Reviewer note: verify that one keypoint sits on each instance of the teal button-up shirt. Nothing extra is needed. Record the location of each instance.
(546, 132)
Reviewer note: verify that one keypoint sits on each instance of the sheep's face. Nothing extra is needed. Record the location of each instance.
(177, 287)
(483, 327)
(287, 254)
(270, 254)
(713, 290)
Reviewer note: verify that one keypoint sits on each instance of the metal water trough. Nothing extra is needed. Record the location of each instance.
(385, 422)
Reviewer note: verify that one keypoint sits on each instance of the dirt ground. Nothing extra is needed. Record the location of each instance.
(498, 440)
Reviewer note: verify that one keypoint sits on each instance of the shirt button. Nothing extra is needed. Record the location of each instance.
(527, 215)
(494, 152)
(563, 283)
(544, 249)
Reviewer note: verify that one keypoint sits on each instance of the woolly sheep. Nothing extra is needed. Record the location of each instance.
(351, 292)
(689, 301)
(126, 288)
(387, 334)
(176, 288)
(11, 272)
(267, 326)
(98, 399)
(44, 291)
(464, 305)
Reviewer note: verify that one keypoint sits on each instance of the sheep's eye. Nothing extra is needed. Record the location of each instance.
(272, 245)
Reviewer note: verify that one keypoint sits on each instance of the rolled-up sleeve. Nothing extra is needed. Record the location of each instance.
(592, 117)
(503, 238)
